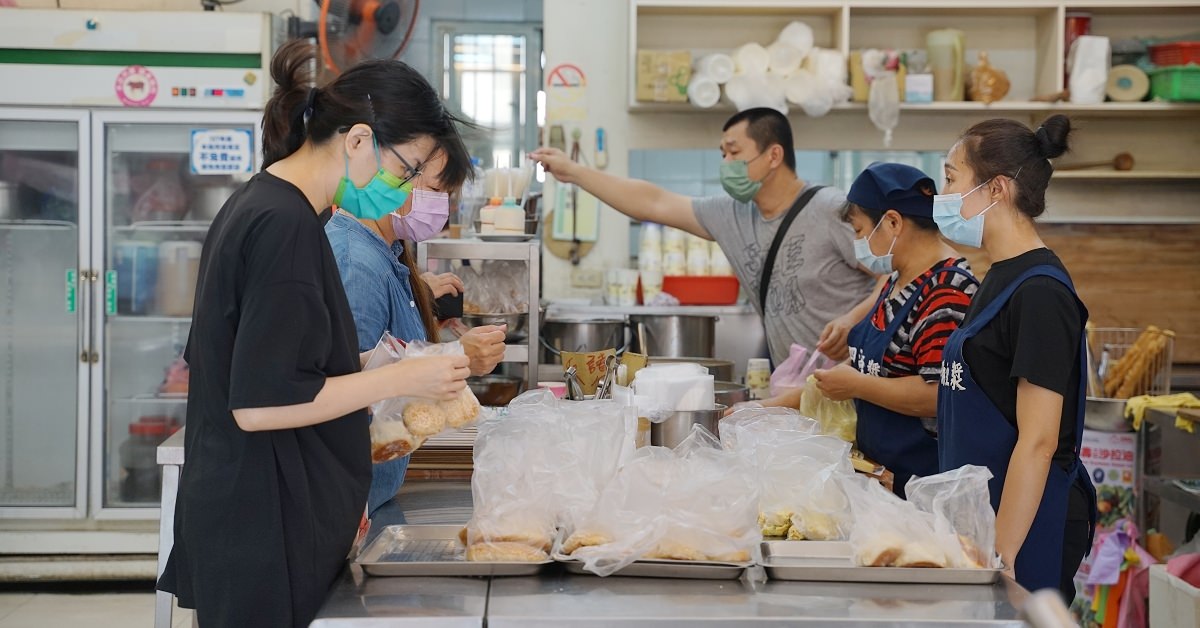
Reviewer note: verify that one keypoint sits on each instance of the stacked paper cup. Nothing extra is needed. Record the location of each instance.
(697, 256)
(718, 264)
(674, 256)
(650, 260)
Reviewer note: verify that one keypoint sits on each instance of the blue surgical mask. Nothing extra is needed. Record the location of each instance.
(878, 264)
(382, 195)
(947, 213)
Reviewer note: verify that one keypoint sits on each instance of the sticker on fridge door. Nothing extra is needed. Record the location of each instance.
(71, 301)
(136, 86)
(222, 151)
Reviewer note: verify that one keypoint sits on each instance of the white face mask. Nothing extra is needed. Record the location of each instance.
(878, 264)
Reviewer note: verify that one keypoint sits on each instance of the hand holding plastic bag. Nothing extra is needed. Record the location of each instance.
(402, 424)
(837, 418)
(794, 371)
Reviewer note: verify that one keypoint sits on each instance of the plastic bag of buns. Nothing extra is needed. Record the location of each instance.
(939, 529)
(696, 502)
(400, 425)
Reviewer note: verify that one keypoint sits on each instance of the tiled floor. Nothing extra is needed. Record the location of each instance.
(95, 610)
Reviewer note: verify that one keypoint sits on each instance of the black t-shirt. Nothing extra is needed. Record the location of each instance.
(1035, 336)
(264, 520)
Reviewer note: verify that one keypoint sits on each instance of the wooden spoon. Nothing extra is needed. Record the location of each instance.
(1122, 161)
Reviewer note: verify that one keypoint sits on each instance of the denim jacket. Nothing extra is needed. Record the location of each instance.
(381, 299)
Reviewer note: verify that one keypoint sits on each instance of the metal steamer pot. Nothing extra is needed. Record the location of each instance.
(580, 335)
(674, 335)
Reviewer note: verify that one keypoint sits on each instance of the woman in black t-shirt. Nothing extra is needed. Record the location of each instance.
(278, 451)
(1012, 388)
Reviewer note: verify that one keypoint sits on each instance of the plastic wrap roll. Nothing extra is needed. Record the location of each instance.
(719, 67)
(703, 91)
(799, 36)
(784, 58)
(1127, 83)
(1089, 60)
(752, 58)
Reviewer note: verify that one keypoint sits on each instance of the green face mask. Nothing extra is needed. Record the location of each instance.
(735, 178)
(382, 195)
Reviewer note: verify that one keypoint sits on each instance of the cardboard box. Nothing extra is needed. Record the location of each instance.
(1173, 602)
(663, 75)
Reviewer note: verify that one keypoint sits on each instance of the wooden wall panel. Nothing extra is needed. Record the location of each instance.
(1136, 275)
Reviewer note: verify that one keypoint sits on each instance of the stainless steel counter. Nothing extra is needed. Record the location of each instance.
(558, 599)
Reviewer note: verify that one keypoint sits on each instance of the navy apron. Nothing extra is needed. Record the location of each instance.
(971, 430)
(897, 441)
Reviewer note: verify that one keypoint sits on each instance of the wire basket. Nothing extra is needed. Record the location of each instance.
(1126, 362)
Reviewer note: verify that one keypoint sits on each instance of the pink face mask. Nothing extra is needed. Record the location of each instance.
(430, 211)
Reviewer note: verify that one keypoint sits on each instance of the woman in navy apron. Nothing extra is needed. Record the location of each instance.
(1012, 390)
(896, 349)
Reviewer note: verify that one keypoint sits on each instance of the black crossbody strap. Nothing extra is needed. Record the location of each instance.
(769, 265)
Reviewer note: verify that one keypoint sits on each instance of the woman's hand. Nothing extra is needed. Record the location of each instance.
(485, 347)
(556, 163)
(436, 377)
(839, 383)
(443, 284)
(833, 341)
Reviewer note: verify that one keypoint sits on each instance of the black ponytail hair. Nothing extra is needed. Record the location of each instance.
(388, 95)
(1009, 148)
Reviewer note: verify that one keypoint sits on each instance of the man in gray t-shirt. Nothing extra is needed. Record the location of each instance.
(816, 277)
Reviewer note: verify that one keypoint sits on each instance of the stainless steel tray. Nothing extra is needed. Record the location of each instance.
(682, 569)
(833, 561)
(414, 550)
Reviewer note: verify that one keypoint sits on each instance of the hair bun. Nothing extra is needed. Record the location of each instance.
(1052, 136)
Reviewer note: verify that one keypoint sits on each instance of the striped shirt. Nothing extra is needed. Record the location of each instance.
(916, 348)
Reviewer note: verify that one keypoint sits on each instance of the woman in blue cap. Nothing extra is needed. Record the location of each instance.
(1013, 386)
(896, 350)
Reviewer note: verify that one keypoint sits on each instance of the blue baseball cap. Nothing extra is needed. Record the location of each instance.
(883, 186)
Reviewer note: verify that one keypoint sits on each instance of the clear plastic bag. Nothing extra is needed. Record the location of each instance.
(794, 473)
(794, 370)
(496, 287)
(837, 418)
(542, 466)
(696, 502)
(925, 532)
(400, 425)
(962, 504)
(663, 389)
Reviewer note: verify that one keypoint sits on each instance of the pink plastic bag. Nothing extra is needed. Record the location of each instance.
(794, 371)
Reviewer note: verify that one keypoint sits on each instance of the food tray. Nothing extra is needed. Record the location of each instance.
(833, 561)
(416, 550)
(681, 569)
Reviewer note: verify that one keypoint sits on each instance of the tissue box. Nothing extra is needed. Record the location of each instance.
(918, 88)
(1173, 602)
(663, 75)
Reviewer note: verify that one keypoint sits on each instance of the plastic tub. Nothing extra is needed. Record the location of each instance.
(1176, 84)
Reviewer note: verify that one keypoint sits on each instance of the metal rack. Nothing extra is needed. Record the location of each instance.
(529, 252)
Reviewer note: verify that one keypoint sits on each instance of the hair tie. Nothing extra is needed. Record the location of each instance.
(309, 105)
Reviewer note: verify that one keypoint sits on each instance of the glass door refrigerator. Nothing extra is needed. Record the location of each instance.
(45, 355)
(160, 178)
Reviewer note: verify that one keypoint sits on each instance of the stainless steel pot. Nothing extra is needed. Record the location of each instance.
(671, 432)
(674, 335)
(729, 393)
(207, 200)
(516, 323)
(8, 200)
(721, 370)
(580, 335)
(1106, 415)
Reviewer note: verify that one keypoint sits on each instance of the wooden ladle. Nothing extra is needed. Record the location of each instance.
(1123, 161)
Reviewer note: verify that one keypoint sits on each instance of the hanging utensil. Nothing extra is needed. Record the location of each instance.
(604, 390)
(1121, 162)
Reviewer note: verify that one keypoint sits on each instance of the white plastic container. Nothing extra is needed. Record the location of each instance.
(178, 268)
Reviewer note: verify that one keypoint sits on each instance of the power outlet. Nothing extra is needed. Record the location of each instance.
(587, 278)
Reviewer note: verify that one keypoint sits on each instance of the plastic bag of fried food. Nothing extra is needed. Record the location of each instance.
(400, 425)
(696, 502)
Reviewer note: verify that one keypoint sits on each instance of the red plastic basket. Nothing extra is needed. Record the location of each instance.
(1176, 53)
(702, 290)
